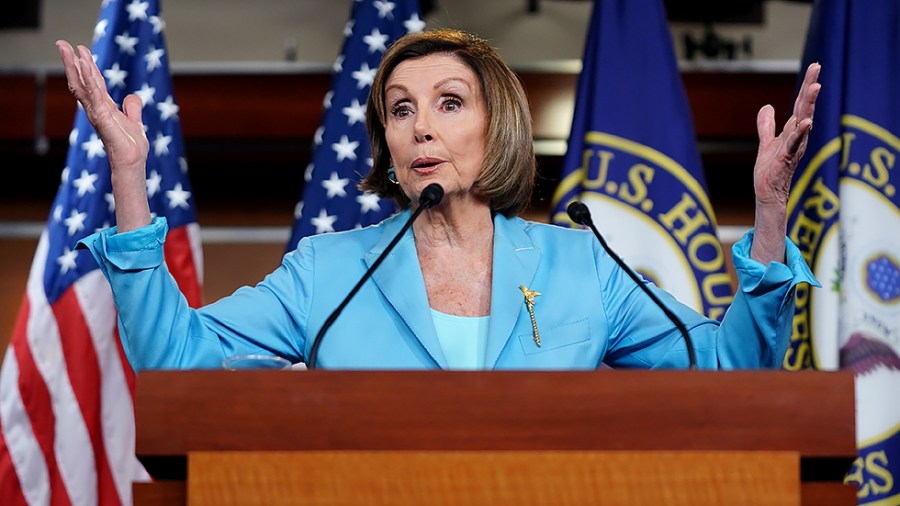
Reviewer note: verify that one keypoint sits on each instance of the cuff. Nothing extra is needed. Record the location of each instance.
(137, 249)
(756, 278)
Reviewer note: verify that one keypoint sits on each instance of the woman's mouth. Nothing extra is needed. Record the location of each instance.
(425, 165)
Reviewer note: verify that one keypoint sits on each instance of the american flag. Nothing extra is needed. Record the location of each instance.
(66, 403)
(342, 156)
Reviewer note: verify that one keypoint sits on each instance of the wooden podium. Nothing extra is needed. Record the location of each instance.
(431, 437)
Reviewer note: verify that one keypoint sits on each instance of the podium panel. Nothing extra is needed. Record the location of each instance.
(513, 478)
(436, 418)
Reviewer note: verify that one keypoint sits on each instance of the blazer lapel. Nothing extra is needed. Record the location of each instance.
(515, 262)
(400, 280)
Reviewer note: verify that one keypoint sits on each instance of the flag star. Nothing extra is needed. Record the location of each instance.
(334, 186)
(326, 102)
(65, 175)
(348, 28)
(94, 147)
(317, 138)
(146, 94)
(115, 76)
(102, 227)
(338, 64)
(111, 200)
(57, 213)
(298, 210)
(85, 183)
(364, 76)
(376, 41)
(66, 261)
(167, 109)
(100, 29)
(178, 197)
(414, 24)
(158, 24)
(75, 222)
(324, 222)
(182, 164)
(308, 173)
(126, 44)
(345, 149)
(153, 183)
(355, 113)
(137, 10)
(385, 9)
(161, 144)
(154, 58)
(368, 202)
(73, 137)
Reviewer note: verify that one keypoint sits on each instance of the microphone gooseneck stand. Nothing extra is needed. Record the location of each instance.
(430, 197)
(580, 214)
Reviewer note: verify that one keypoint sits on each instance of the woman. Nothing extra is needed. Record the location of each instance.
(469, 286)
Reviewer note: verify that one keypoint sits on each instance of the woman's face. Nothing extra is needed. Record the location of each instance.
(436, 125)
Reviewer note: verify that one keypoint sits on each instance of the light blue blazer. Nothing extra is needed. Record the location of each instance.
(588, 310)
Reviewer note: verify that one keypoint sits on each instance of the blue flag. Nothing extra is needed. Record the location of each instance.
(844, 214)
(342, 157)
(632, 157)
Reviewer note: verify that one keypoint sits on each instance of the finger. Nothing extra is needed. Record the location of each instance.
(133, 108)
(96, 75)
(809, 107)
(88, 77)
(94, 78)
(806, 98)
(100, 103)
(765, 124)
(796, 142)
(73, 72)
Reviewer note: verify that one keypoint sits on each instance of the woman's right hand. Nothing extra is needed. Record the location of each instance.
(121, 131)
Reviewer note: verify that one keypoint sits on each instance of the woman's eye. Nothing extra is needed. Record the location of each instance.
(451, 104)
(400, 111)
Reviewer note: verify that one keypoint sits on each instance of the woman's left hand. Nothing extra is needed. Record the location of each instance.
(776, 161)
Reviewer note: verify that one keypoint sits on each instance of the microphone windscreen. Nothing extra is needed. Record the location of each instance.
(579, 213)
(431, 196)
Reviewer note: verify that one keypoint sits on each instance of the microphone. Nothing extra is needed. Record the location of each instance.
(430, 197)
(579, 213)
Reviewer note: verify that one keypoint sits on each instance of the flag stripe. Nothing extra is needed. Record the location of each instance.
(38, 409)
(10, 488)
(95, 302)
(21, 449)
(84, 374)
(71, 443)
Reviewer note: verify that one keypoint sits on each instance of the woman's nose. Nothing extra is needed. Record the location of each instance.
(423, 129)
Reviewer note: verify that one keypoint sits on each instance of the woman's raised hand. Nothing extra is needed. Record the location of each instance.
(778, 156)
(776, 161)
(121, 131)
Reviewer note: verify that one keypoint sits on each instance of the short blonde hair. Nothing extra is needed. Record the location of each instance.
(509, 168)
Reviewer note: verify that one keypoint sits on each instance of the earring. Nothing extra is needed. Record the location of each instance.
(392, 175)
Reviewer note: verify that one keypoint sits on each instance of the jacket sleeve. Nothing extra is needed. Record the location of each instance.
(160, 331)
(754, 333)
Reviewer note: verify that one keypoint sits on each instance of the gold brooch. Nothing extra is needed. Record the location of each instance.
(529, 303)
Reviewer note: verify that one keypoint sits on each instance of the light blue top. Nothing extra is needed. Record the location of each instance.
(589, 310)
(462, 339)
